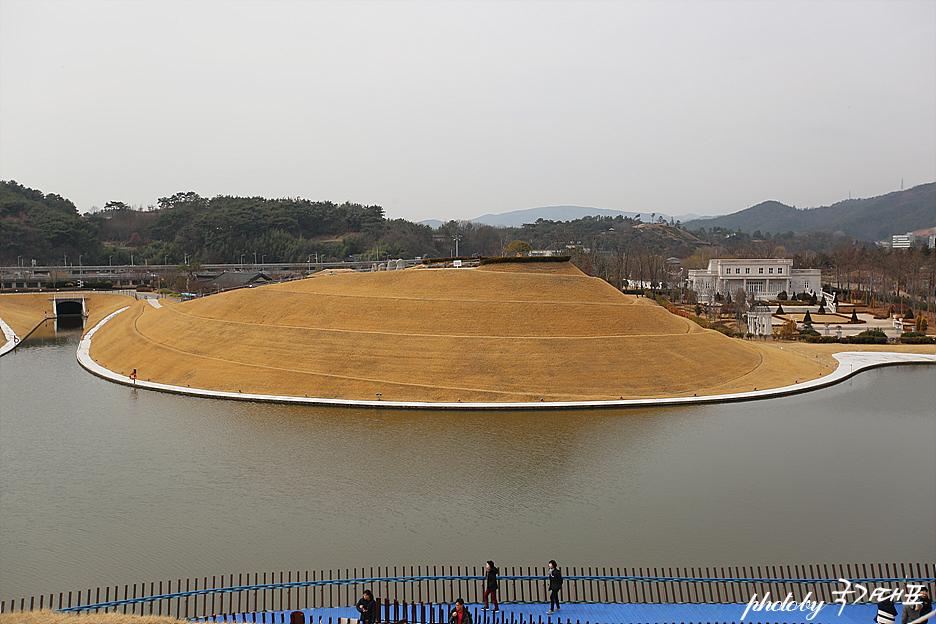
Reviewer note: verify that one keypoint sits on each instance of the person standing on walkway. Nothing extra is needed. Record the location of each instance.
(490, 584)
(367, 607)
(460, 615)
(555, 586)
(886, 612)
(913, 612)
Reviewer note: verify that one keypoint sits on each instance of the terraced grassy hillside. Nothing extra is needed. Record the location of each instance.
(501, 333)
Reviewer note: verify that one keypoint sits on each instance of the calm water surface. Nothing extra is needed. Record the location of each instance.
(101, 484)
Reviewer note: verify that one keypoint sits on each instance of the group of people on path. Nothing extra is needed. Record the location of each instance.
(912, 611)
(554, 582)
(367, 606)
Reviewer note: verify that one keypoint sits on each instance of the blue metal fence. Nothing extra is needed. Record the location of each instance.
(219, 596)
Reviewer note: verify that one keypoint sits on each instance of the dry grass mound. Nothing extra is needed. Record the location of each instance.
(527, 332)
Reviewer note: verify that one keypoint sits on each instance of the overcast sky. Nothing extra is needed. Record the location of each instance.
(450, 110)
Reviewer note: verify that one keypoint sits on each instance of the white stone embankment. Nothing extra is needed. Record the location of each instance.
(11, 338)
(850, 363)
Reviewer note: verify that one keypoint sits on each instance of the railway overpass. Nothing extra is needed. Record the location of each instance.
(36, 278)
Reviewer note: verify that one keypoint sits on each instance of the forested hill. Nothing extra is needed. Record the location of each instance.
(43, 227)
(224, 227)
(48, 229)
(871, 219)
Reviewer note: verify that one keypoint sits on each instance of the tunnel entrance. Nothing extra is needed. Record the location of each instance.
(70, 306)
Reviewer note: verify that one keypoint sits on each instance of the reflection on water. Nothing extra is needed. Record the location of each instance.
(66, 322)
(102, 484)
(55, 331)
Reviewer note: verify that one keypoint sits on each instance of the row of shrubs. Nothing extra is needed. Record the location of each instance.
(499, 260)
(869, 336)
(522, 259)
(84, 284)
(804, 297)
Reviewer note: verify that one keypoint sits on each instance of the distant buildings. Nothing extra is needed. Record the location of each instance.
(901, 241)
(764, 278)
(904, 241)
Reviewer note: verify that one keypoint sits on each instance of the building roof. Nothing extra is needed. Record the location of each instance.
(238, 279)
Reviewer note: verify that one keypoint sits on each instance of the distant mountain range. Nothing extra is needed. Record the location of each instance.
(516, 218)
(871, 219)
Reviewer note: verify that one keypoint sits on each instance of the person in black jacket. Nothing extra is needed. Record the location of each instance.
(555, 586)
(367, 607)
(913, 612)
(490, 587)
(886, 612)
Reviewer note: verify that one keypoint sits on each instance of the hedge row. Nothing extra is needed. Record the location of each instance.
(85, 284)
(904, 339)
(499, 260)
(452, 259)
(521, 259)
(846, 339)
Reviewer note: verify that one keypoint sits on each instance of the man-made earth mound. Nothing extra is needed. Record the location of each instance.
(494, 334)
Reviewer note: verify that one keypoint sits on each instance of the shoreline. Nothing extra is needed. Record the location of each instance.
(855, 361)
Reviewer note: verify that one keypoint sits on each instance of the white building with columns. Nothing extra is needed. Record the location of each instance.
(765, 278)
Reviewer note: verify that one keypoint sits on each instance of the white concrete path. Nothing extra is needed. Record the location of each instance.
(850, 363)
(11, 338)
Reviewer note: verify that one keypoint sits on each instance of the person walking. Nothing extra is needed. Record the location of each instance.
(555, 586)
(367, 607)
(491, 585)
(460, 615)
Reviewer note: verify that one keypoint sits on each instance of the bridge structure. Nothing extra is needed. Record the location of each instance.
(36, 278)
(69, 304)
(425, 595)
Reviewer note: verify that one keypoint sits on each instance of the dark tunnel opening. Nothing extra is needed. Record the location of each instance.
(68, 308)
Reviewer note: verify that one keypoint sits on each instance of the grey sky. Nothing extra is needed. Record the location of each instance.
(451, 110)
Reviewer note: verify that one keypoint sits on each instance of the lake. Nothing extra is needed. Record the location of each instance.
(103, 484)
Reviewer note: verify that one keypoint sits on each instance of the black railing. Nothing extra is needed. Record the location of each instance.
(412, 591)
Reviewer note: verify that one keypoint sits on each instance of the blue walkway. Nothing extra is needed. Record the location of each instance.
(591, 613)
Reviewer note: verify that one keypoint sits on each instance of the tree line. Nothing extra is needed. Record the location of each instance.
(186, 228)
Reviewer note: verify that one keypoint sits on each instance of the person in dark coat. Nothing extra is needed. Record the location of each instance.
(491, 585)
(555, 586)
(367, 607)
(460, 615)
(914, 612)
(886, 612)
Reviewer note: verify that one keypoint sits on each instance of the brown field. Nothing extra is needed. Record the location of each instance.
(510, 332)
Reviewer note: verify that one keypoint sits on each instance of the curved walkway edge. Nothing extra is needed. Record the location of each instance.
(11, 338)
(850, 364)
